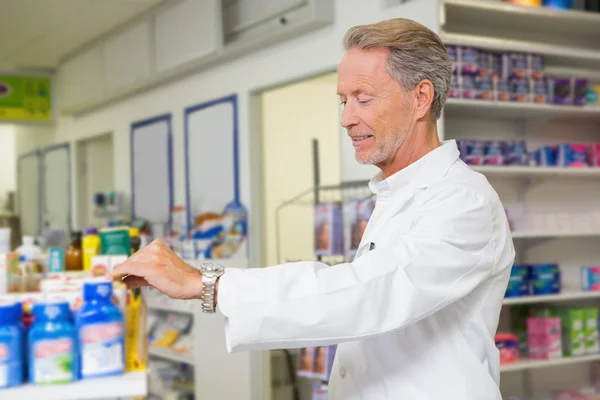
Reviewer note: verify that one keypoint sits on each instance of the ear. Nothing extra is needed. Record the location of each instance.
(424, 92)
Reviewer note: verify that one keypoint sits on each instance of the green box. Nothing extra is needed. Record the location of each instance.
(573, 332)
(115, 242)
(591, 330)
(518, 325)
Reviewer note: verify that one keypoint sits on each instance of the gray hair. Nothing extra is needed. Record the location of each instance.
(416, 53)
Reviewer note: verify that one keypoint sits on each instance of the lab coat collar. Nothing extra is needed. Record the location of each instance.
(420, 174)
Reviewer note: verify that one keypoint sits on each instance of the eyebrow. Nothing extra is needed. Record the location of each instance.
(354, 92)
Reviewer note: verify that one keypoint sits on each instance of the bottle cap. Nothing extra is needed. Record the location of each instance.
(91, 231)
(51, 311)
(134, 231)
(97, 290)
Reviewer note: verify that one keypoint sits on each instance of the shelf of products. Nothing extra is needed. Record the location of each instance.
(171, 355)
(540, 19)
(551, 298)
(554, 234)
(133, 384)
(537, 364)
(490, 109)
(560, 55)
(526, 171)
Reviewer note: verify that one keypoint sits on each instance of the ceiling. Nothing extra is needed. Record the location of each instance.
(36, 34)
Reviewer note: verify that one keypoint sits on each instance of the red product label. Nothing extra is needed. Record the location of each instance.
(3, 352)
(48, 348)
(102, 333)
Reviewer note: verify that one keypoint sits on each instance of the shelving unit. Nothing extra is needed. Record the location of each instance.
(126, 386)
(552, 298)
(568, 42)
(540, 364)
(168, 354)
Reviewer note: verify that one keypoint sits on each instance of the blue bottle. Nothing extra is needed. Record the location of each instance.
(101, 333)
(51, 345)
(11, 345)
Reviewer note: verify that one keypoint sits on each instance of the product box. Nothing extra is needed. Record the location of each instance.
(590, 278)
(329, 229)
(545, 279)
(56, 260)
(518, 283)
(324, 356)
(573, 333)
(544, 338)
(591, 330)
(115, 241)
(518, 326)
(508, 347)
(319, 391)
(306, 362)
(103, 266)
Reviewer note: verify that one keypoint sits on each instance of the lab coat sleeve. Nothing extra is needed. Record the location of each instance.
(449, 251)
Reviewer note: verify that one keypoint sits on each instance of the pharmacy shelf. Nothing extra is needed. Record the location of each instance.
(168, 354)
(125, 386)
(550, 234)
(539, 19)
(487, 109)
(179, 306)
(553, 54)
(565, 296)
(520, 171)
(539, 364)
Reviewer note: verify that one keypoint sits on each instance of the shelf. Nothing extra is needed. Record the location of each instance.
(168, 354)
(180, 306)
(479, 109)
(129, 385)
(553, 54)
(546, 234)
(539, 19)
(538, 364)
(565, 296)
(519, 171)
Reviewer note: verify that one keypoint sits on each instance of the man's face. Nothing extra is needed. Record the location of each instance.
(376, 110)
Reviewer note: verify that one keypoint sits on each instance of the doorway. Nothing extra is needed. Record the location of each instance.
(95, 173)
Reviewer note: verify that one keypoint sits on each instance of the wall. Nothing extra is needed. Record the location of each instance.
(291, 117)
(8, 160)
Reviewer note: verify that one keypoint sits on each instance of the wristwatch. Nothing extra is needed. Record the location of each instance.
(210, 273)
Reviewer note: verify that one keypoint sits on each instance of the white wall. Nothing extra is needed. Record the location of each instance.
(8, 161)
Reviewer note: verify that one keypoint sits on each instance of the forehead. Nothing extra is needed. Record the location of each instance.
(359, 66)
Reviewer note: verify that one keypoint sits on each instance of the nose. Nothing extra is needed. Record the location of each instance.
(349, 117)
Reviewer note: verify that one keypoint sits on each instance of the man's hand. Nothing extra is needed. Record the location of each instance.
(157, 266)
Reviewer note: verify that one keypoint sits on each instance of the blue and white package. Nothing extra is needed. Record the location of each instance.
(12, 339)
(517, 153)
(494, 152)
(545, 156)
(469, 60)
(100, 332)
(518, 284)
(572, 155)
(475, 152)
(590, 278)
(545, 279)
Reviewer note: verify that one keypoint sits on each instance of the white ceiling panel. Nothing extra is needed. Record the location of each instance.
(38, 33)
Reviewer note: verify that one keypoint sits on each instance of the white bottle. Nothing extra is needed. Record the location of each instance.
(28, 249)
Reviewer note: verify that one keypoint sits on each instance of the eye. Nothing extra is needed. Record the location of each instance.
(363, 101)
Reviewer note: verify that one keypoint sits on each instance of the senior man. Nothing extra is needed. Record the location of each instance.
(416, 311)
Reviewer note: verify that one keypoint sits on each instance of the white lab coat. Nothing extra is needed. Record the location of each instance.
(415, 317)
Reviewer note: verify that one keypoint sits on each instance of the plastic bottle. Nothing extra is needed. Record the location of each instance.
(134, 239)
(51, 345)
(12, 343)
(91, 247)
(28, 249)
(74, 257)
(101, 333)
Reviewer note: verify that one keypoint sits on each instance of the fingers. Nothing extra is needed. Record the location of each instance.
(135, 282)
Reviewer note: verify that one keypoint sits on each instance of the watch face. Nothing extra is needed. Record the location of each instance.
(210, 267)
